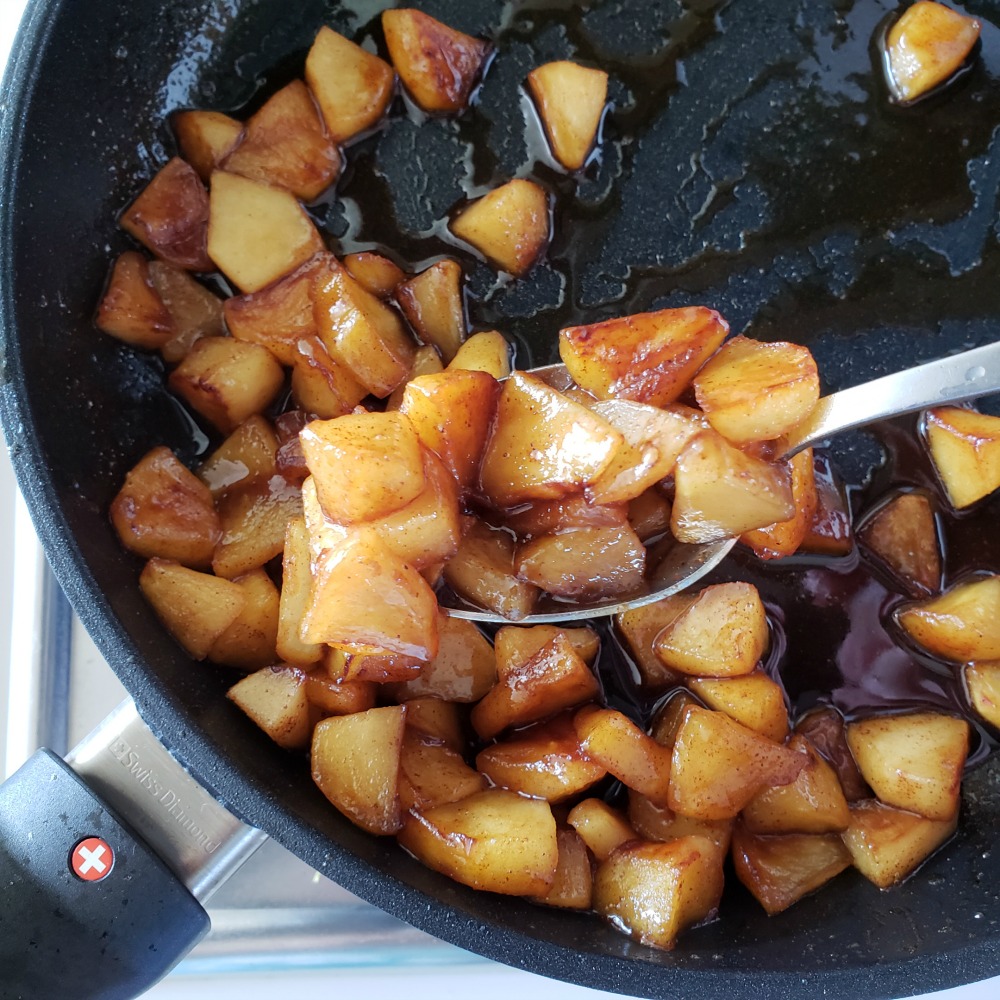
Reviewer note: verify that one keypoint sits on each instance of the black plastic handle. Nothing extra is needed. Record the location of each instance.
(87, 910)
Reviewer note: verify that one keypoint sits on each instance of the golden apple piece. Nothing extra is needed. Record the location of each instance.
(378, 668)
(913, 761)
(426, 361)
(549, 517)
(656, 822)
(649, 515)
(286, 144)
(432, 774)
(902, 533)
(257, 233)
(830, 531)
(321, 385)
(486, 351)
(164, 510)
(364, 465)
(171, 217)
(131, 309)
(275, 698)
(555, 678)
(195, 312)
(290, 461)
(544, 761)
(196, 608)
(437, 64)
(510, 225)
(887, 844)
(250, 642)
(780, 870)
(352, 87)
(962, 624)
(365, 597)
(648, 357)
(965, 449)
(247, 456)
(753, 391)
(670, 716)
(573, 886)
(442, 721)
(482, 573)
(432, 301)
(514, 645)
(332, 697)
(296, 588)
(824, 729)
(227, 381)
(720, 491)
(600, 826)
(614, 741)
(982, 681)
(494, 840)
(375, 273)
(813, 803)
(640, 626)
(653, 891)
(926, 47)
(205, 138)
(543, 445)
(452, 412)
(721, 633)
(718, 766)
(754, 700)
(570, 99)
(356, 763)
(361, 331)
(784, 538)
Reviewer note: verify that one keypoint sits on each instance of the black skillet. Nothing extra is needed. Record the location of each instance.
(752, 162)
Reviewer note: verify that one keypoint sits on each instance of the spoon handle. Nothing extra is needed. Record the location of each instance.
(949, 380)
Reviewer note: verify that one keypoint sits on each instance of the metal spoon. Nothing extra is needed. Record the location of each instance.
(954, 379)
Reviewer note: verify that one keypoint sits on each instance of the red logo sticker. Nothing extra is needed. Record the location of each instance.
(92, 859)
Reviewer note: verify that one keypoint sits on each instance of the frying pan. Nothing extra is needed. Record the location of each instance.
(752, 162)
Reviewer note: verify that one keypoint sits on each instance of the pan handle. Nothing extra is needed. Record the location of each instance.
(104, 866)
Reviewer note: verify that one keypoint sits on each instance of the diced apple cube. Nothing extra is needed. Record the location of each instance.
(432, 774)
(601, 827)
(640, 627)
(549, 517)
(432, 302)
(320, 384)
(649, 515)
(194, 311)
(131, 308)
(205, 138)
(486, 351)
(296, 587)
(377, 668)
(784, 538)
(830, 530)
(670, 716)
(573, 886)
(824, 729)
(249, 643)
(247, 456)
(657, 822)
(903, 534)
(965, 448)
(982, 681)
(962, 624)
(275, 699)
(514, 645)
(570, 99)
(754, 700)
(339, 697)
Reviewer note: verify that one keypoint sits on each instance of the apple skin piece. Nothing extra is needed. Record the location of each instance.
(965, 449)
(437, 64)
(570, 99)
(205, 138)
(131, 309)
(962, 624)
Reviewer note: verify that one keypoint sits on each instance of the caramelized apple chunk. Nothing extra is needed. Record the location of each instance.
(982, 681)
(570, 99)
(903, 534)
(754, 700)
(204, 138)
(131, 309)
(432, 302)
(486, 351)
(962, 625)
(784, 538)
(275, 698)
(250, 642)
(601, 827)
(965, 449)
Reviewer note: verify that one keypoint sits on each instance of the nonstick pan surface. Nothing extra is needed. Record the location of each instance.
(752, 162)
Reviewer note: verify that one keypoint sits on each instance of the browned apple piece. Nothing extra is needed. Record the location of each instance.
(432, 774)
(555, 678)
(887, 844)
(339, 697)
(164, 510)
(965, 448)
(426, 361)
(600, 826)
(548, 517)
(227, 381)
(721, 633)
(649, 515)
(720, 491)
(656, 822)
(963, 624)
(196, 608)
(452, 413)
(585, 563)
(364, 465)
(249, 643)
(257, 233)
(439, 720)
(437, 64)
(780, 870)
(825, 730)
(813, 803)
(614, 741)
(640, 626)
(375, 273)
(494, 840)
(913, 761)
(464, 669)
(290, 460)
(570, 99)
(486, 351)
(653, 891)
(982, 681)
(544, 761)
(205, 138)
(361, 331)
(247, 456)
(648, 357)
(275, 698)
(355, 763)
(543, 445)
(510, 225)
(195, 312)
(482, 572)
(718, 766)
(254, 519)
(296, 587)
(926, 47)
(365, 597)
(830, 531)
(784, 538)
(322, 386)
(131, 308)
(432, 302)
(573, 886)
(754, 700)
(752, 391)
(377, 668)
(903, 534)
(514, 645)
(171, 217)
(352, 87)
(669, 717)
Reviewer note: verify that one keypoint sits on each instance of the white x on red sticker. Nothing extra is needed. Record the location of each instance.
(92, 859)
